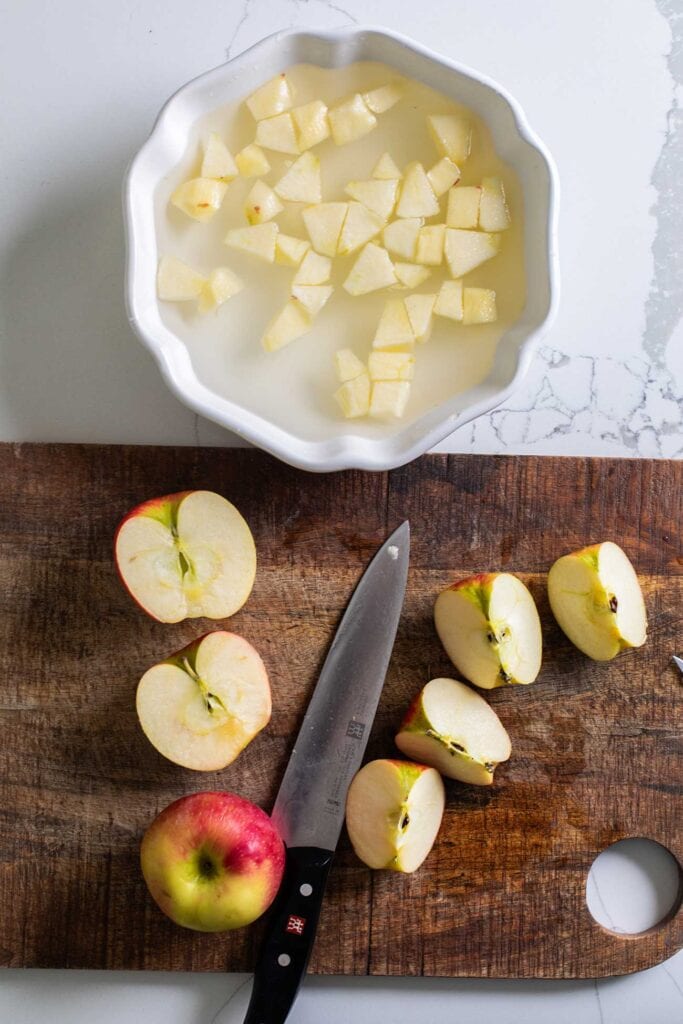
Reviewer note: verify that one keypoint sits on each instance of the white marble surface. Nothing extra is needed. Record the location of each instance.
(601, 81)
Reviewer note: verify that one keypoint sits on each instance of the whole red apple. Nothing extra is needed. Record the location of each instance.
(212, 861)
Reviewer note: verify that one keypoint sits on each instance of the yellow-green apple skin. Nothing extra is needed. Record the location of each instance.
(490, 628)
(212, 861)
(596, 598)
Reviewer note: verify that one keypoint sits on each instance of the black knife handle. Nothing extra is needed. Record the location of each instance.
(290, 933)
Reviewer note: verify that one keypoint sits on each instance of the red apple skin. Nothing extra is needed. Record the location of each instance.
(479, 579)
(212, 861)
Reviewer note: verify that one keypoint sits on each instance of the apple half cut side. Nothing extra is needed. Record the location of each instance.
(453, 729)
(186, 555)
(490, 628)
(202, 706)
(393, 813)
(596, 598)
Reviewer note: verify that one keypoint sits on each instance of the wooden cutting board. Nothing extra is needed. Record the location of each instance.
(595, 751)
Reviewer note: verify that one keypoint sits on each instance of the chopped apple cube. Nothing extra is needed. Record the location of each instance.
(372, 270)
(479, 306)
(493, 212)
(449, 300)
(312, 297)
(466, 250)
(443, 175)
(221, 286)
(291, 323)
(324, 223)
(384, 98)
(277, 133)
(385, 169)
(199, 197)
(452, 135)
(290, 250)
(347, 365)
(394, 332)
(218, 162)
(301, 183)
(261, 204)
(314, 269)
(389, 398)
(400, 237)
(430, 244)
(360, 225)
(354, 396)
(351, 120)
(378, 196)
(252, 162)
(270, 99)
(311, 124)
(176, 282)
(420, 309)
(411, 275)
(391, 366)
(417, 195)
(463, 207)
(258, 240)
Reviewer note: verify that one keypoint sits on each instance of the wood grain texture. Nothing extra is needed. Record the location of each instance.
(596, 747)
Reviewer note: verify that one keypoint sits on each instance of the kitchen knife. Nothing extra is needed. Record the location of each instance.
(309, 808)
(679, 662)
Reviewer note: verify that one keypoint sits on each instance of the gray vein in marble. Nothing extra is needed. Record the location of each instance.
(673, 980)
(246, 9)
(597, 996)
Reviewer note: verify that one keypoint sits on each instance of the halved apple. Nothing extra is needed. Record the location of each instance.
(453, 729)
(393, 813)
(490, 628)
(186, 555)
(596, 598)
(203, 705)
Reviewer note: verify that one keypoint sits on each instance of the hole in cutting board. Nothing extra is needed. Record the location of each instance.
(633, 886)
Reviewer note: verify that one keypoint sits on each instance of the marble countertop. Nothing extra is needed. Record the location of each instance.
(602, 83)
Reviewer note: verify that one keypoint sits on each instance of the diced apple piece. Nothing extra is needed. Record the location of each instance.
(311, 124)
(302, 183)
(378, 196)
(449, 300)
(258, 240)
(385, 169)
(312, 297)
(400, 237)
(360, 225)
(479, 306)
(324, 223)
(466, 250)
(277, 133)
(218, 161)
(430, 245)
(372, 270)
(314, 269)
(391, 366)
(394, 330)
(452, 135)
(289, 250)
(354, 396)
(389, 398)
(176, 282)
(463, 207)
(411, 275)
(493, 212)
(443, 175)
(384, 98)
(417, 197)
(291, 323)
(270, 99)
(420, 310)
(252, 162)
(347, 365)
(261, 204)
(199, 198)
(221, 286)
(351, 120)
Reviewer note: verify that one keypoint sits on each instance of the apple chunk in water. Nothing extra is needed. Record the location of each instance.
(186, 555)
(203, 705)
(490, 628)
(453, 729)
(596, 598)
(393, 813)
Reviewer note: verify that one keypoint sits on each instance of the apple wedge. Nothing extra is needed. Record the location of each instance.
(351, 120)
(218, 161)
(411, 275)
(393, 813)
(377, 195)
(400, 237)
(353, 397)
(372, 270)
(452, 136)
(186, 555)
(385, 169)
(466, 250)
(252, 162)
(596, 598)
(490, 628)
(311, 124)
(199, 198)
(274, 97)
(176, 282)
(202, 706)
(347, 365)
(493, 211)
(220, 286)
(292, 322)
(360, 225)
(453, 729)
(323, 222)
(261, 204)
(389, 398)
(384, 98)
(257, 240)
(417, 197)
(420, 310)
(277, 133)
(302, 182)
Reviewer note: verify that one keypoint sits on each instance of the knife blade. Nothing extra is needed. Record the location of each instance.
(309, 808)
(679, 662)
